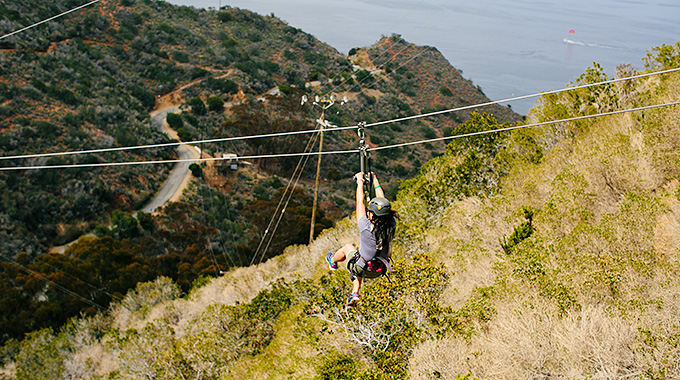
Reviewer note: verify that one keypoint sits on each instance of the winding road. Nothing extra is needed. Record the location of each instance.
(179, 176)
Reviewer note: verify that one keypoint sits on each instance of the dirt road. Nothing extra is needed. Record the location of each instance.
(180, 175)
(177, 180)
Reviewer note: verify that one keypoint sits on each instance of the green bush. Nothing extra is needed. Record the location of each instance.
(428, 132)
(40, 356)
(175, 121)
(336, 366)
(215, 104)
(521, 232)
(145, 97)
(445, 91)
(225, 16)
(184, 134)
(124, 225)
(180, 56)
(197, 106)
(663, 57)
(196, 170)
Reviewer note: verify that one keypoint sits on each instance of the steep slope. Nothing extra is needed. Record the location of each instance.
(577, 254)
(560, 259)
(90, 80)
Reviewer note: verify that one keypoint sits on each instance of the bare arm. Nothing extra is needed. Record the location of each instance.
(376, 185)
(361, 208)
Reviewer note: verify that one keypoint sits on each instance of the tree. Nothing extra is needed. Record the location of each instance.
(445, 91)
(175, 121)
(197, 106)
(196, 170)
(124, 224)
(184, 134)
(215, 104)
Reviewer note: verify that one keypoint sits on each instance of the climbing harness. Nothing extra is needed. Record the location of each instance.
(374, 268)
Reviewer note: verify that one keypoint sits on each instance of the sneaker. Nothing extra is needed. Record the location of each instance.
(353, 299)
(331, 264)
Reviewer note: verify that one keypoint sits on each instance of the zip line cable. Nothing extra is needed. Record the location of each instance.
(610, 81)
(528, 125)
(300, 166)
(290, 195)
(49, 19)
(283, 155)
(280, 134)
(162, 145)
(131, 163)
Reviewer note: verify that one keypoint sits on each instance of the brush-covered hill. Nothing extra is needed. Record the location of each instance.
(548, 252)
(91, 80)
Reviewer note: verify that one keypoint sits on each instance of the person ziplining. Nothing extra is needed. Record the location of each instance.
(377, 224)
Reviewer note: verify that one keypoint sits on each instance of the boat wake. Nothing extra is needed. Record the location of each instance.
(580, 43)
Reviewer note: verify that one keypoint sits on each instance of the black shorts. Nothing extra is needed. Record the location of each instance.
(353, 267)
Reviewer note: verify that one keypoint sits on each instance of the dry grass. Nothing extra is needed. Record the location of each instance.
(529, 342)
(239, 285)
(589, 180)
(467, 242)
(287, 356)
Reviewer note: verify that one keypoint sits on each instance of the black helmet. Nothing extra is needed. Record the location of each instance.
(379, 206)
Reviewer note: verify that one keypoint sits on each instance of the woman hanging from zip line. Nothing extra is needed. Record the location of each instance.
(376, 231)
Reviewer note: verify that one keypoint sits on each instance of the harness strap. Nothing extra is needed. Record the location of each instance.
(382, 259)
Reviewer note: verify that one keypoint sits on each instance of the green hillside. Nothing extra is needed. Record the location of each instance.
(548, 252)
(92, 79)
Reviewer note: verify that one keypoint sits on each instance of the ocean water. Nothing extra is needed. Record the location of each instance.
(508, 48)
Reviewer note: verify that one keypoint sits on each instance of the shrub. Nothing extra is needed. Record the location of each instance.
(180, 56)
(184, 134)
(175, 121)
(364, 77)
(428, 132)
(197, 106)
(663, 57)
(445, 91)
(521, 232)
(40, 356)
(225, 16)
(124, 224)
(336, 366)
(146, 295)
(215, 104)
(145, 97)
(196, 170)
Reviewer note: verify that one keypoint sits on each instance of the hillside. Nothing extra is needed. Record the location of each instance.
(91, 79)
(549, 252)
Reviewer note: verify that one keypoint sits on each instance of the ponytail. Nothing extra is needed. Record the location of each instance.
(384, 228)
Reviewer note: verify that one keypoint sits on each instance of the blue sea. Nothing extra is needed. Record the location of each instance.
(508, 48)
